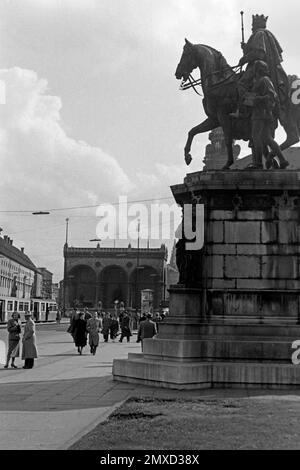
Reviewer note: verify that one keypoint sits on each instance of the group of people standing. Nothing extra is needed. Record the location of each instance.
(29, 348)
(86, 327)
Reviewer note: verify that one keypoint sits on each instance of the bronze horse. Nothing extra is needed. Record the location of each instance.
(219, 85)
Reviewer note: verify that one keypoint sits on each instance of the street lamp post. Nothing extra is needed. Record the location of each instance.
(65, 267)
(137, 267)
(96, 302)
(164, 282)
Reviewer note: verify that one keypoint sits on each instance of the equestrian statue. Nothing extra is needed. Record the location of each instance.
(247, 104)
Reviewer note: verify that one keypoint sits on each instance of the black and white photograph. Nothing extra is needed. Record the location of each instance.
(149, 229)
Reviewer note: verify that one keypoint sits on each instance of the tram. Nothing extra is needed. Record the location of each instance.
(41, 309)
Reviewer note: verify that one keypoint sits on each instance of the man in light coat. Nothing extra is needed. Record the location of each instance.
(29, 349)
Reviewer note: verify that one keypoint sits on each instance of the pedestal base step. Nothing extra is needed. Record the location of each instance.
(199, 375)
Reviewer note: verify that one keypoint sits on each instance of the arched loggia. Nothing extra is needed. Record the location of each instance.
(113, 286)
(81, 283)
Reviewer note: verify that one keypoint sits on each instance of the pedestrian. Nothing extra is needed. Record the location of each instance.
(73, 317)
(106, 323)
(99, 315)
(58, 316)
(114, 328)
(93, 327)
(14, 331)
(29, 349)
(147, 329)
(47, 312)
(121, 314)
(80, 333)
(87, 314)
(125, 327)
(142, 318)
(157, 319)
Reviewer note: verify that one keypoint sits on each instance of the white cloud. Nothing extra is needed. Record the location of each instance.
(44, 168)
(172, 174)
(35, 148)
(165, 175)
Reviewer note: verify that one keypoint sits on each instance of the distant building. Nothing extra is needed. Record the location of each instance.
(172, 276)
(36, 291)
(60, 301)
(110, 274)
(216, 152)
(17, 278)
(46, 291)
(55, 292)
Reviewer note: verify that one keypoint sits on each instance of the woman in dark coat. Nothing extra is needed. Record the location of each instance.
(14, 331)
(80, 333)
(114, 328)
(73, 316)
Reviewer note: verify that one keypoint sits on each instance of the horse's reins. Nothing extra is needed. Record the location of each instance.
(193, 83)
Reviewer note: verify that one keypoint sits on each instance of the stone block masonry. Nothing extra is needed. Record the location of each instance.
(237, 328)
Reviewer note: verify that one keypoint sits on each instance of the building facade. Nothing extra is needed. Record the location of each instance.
(17, 279)
(109, 274)
(55, 292)
(46, 289)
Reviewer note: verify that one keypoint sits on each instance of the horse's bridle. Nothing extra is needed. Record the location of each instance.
(193, 83)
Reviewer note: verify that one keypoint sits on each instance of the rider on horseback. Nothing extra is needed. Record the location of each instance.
(262, 45)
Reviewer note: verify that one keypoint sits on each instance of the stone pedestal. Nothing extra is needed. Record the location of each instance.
(236, 330)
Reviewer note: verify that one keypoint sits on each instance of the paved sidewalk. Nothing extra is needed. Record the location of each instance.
(66, 395)
(62, 397)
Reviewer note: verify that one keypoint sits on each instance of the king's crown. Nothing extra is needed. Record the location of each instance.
(260, 21)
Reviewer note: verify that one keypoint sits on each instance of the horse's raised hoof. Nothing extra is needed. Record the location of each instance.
(283, 165)
(188, 158)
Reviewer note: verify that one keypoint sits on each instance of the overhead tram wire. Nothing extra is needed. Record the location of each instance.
(45, 229)
(85, 207)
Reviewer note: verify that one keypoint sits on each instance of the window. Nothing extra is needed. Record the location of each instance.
(21, 306)
(10, 306)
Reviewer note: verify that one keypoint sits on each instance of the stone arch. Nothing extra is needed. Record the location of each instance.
(81, 282)
(113, 285)
(146, 277)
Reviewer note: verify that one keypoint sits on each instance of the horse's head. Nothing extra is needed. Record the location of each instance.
(187, 62)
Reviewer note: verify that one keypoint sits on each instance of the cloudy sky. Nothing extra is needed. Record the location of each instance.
(93, 109)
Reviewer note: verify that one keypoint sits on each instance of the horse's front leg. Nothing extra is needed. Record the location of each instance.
(208, 125)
